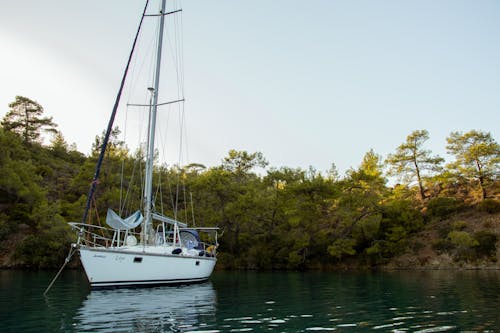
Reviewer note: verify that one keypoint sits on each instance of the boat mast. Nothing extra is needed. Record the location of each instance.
(148, 188)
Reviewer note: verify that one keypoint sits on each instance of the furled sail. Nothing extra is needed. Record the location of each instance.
(117, 223)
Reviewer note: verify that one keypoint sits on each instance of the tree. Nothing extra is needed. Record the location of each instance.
(307, 217)
(59, 145)
(19, 188)
(411, 161)
(25, 118)
(230, 196)
(115, 147)
(357, 212)
(241, 162)
(477, 156)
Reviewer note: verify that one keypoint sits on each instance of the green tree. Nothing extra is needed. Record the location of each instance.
(19, 188)
(284, 236)
(464, 244)
(477, 156)
(307, 218)
(241, 162)
(58, 144)
(411, 161)
(25, 118)
(356, 212)
(230, 196)
(48, 242)
(119, 177)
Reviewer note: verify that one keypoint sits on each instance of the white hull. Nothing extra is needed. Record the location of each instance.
(138, 266)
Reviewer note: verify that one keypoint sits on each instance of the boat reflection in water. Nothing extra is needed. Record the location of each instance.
(162, 309)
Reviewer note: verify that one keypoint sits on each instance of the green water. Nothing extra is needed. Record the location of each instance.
(442, 301)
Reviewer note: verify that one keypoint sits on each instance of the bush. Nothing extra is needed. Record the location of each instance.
(442, 245)
(402, 213)
(342, 246)
(490, 206)
(42, 251)
(416, 246)
(462, 239)
(443, 207)
(444, 229)
(5, 227)
(49, 243)
(464, 244)
(459, 225)
(487, 243)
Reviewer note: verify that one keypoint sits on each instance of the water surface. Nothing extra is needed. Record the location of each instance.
(438, 301)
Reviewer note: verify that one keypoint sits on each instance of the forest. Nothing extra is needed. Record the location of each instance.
(403, 210)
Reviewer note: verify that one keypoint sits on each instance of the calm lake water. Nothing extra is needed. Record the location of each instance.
(439, 301)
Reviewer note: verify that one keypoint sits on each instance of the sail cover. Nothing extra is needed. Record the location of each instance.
(116, 222)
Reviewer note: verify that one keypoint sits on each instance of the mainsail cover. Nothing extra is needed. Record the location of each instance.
(117, 223)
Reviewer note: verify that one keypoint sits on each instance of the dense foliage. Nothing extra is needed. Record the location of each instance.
(272, 218)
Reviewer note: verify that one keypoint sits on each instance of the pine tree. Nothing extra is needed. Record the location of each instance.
(411, 160)
(477, 156)
(25, 119)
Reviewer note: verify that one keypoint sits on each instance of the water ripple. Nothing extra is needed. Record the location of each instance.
(155, 309)
(258, 302)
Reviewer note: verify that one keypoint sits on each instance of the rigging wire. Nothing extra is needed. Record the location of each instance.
(162, 139)
(137, 71)
(129, 189)
(123, 162)
(111, 121)
(192, 208)
(161, 193)
(183, 106)
(144, 69)
(176, 54)
(173, 45)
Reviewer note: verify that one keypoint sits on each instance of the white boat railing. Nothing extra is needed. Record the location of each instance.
(97, 236)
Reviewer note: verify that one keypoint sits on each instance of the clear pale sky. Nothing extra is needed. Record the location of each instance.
(305, 83)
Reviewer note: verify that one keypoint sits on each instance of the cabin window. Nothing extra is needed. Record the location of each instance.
(197, 263)
(138, 259)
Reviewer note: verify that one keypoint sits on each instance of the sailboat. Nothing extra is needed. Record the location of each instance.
(166, 250)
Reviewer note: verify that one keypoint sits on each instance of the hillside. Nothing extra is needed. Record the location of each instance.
(444, 243)
(428, 249)
(438, 216)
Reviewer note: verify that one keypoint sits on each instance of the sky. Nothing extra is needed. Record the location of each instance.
(305, 83)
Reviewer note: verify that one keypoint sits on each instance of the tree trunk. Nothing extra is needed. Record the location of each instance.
(481, 180)
(420, 186)
(481, 185)
(26, 125)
